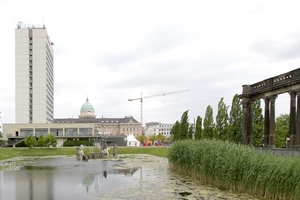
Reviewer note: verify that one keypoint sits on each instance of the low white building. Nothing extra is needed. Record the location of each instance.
(132, 141)
(155, 128)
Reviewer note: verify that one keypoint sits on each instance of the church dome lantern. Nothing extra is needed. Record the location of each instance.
(87, 110)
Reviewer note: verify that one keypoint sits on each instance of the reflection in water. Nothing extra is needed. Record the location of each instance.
(67, 178)
(96, 178)
(63, 178)
(33, 183)
(88, 181)
(38, 168)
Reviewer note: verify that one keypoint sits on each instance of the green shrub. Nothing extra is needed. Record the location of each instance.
(21, 144)
(72, 143)
(238, 168)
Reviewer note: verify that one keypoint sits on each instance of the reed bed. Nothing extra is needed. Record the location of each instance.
(237, 168)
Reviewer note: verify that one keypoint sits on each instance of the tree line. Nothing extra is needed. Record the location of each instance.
(228, 126)
(48, 141)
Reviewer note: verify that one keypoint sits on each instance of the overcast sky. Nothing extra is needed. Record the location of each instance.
(111, 51)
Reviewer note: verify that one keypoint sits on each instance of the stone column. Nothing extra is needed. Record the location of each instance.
(267, 122)
(245, 103)
(292, 119)
(272, 122)
(250, 124)
(298, 122)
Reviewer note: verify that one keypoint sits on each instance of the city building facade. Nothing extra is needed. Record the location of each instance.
(155, 128)
(34, 81)
(87, 126)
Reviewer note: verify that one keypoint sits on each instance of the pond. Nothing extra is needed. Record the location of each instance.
(131, 177)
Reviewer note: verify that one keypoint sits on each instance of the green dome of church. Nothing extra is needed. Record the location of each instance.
(87, 106)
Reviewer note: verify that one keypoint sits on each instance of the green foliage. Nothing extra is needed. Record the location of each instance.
(30, 141)
(237, 168)
(141, 138)
(222, 121)
(198, 131)
(21, 144)
(41, 141)
(184, 126)
(235, 121)
(161, 137)
(2, 142)
(208, 123)
(170, 139)
(153, 138)
(73, 143)
(50, 141)
(175, 131)
(258, 124)
(282, 129)
(190, 132)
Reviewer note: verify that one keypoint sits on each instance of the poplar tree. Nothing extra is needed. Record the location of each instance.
(190, 132)
(175, 131)
(236, 120)
(222, 121)
(184, 125)
(258, 124)
(208, 123)
(198, 131)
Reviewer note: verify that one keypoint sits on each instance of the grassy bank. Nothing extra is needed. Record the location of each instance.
(237, 168)
(6, 153)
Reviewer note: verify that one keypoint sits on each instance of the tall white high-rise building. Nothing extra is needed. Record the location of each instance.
(34, 83)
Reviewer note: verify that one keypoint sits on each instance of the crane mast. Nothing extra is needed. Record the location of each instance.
(141, 100)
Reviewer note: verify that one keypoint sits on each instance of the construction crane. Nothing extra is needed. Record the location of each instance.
(156, 95)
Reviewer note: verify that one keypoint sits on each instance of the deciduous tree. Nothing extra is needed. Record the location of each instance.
(141, 138)
(190, 132)
(258, 124)
(30, 141)
(236, 120)
(184, 125)
(175, 131)
(198, 131)
(222, 121)
(41, 141)
(282, 129)
(50, 141)
(208, 123)
(161, 137)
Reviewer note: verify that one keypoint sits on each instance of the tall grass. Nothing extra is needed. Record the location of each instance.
(239, 168)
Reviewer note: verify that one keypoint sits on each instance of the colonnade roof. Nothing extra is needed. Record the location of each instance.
(289, 81)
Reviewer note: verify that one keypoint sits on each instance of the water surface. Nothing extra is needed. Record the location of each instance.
(143, 177)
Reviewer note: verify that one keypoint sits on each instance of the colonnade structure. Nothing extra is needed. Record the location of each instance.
(268, 90)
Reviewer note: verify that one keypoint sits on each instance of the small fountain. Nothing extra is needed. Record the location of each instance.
(104, 153)
(80, 154)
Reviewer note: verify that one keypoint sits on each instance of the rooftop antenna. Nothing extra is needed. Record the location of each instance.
(43, 23)
(19, 24)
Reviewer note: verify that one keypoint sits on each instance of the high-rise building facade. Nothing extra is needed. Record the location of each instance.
(34, 84)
